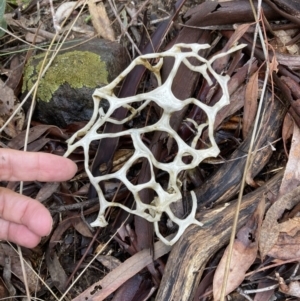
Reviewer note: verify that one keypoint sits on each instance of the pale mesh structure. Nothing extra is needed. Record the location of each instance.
(169, 104)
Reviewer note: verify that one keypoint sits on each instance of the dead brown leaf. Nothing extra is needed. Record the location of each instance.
(34, 133)
(287, 246)
(101, 21)
(220, 64)
(273, 65)
(46, 191)
(16, 269)
(243, 255)
(15, 73)
(237, 92)
(250, 106)
(238, 33)
(64, 10)
(287, 130)
(82, 228)
(293, 85)
(271, 228)
(110, 262)
(291, 178)
(56, 271)
(38, 145)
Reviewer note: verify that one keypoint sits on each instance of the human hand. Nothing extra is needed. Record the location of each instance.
(24, 220)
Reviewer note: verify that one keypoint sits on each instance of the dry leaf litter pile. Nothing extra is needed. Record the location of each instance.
(169, 104)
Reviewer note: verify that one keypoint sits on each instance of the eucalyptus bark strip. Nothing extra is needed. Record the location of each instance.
(191, 253)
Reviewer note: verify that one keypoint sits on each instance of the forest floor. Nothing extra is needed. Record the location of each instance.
(198, 134)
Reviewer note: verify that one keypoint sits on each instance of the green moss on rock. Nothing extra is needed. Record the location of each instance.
(76, 68)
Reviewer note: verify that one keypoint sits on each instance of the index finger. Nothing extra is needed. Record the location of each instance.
(32, 166)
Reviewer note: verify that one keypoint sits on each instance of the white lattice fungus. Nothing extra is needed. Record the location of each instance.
(165, 99)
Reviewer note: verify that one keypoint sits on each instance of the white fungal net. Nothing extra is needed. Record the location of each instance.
(165, 99)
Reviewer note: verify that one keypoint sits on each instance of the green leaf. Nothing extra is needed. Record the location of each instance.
(2, 7)
(2, 20)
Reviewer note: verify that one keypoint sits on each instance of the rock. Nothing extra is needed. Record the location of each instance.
(65, 92)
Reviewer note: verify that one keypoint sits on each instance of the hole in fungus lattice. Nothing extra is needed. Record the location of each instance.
(187, 156)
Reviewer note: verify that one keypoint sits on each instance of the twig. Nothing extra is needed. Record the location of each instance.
(152, 22)
(134, 16)
(254, 37)
(260, 290)
(75, 206)
(55, 22)
(242, 293)
(123, 27)
(44, 33)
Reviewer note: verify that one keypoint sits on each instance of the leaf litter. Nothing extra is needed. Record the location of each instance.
(244, 253)
(141, 267)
